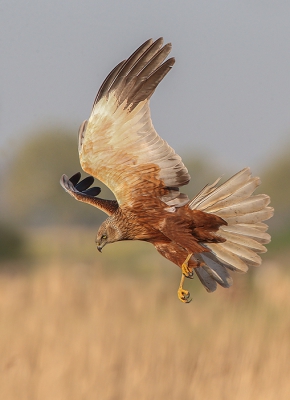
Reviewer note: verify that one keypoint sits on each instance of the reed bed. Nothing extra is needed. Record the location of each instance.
(78, 331)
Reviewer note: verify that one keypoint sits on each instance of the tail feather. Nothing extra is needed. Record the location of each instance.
(207, 190)
(243, 241)
(247, 255)
(259, 225)
(245, 233)
(216, 270)
(228, 257)
(223, 191)
(211, 272)
(249, 205)
(208, 282)
(250, 218)
(235, 198)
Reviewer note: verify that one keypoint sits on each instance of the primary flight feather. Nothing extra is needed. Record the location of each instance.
(220, 229)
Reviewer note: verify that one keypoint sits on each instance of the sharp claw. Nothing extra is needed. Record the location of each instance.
(189, 274)
(184, 295)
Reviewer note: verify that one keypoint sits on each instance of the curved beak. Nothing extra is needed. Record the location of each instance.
(100, 246)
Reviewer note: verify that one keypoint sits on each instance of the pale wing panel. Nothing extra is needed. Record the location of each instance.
(122, 149)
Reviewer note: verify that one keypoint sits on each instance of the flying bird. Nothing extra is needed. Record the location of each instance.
(220, 229)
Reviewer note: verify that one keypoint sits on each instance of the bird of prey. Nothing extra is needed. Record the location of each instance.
(220, 229)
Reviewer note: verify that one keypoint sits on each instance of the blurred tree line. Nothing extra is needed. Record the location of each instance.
(32, 196)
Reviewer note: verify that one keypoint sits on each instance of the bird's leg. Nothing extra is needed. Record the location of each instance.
(183, 294)
(187, 272)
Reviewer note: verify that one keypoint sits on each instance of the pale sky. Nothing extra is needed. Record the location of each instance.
(227, 97)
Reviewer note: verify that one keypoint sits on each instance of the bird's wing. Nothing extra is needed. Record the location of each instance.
(119, 145)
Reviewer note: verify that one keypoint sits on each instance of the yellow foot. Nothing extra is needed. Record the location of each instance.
(183, 294)
(186, 270)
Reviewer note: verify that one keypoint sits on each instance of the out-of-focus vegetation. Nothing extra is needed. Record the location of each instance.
(75, 331)
(32, 194)
(79, 324)
(12, 242)
(276, 183)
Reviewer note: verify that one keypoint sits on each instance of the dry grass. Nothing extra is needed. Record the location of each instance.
(79, 332)
(74, 329)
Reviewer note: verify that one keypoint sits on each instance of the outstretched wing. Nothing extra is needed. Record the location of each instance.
(82, 191)
(118, 144)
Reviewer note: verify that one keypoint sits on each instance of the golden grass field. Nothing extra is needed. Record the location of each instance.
(75, 329)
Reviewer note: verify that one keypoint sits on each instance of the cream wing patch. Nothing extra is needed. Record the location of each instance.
(122, 149)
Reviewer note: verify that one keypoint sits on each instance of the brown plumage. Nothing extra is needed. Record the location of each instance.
(220, 229)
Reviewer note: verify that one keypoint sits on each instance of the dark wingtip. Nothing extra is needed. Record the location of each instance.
(93, 191)
(75, 178)
(84, 184)
(73, 185)
(63, 181)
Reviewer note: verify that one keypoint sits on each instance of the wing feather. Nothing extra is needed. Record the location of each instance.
(118, 144)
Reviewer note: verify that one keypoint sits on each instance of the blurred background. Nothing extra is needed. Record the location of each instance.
(76, 324)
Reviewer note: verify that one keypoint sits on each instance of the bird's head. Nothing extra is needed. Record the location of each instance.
(108, 233)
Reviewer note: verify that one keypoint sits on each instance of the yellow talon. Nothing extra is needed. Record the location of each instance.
(183, 294)
(186, 270)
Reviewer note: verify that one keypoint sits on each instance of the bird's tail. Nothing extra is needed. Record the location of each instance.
(245, 233)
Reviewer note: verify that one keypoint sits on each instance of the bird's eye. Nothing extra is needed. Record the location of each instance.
(104, 237)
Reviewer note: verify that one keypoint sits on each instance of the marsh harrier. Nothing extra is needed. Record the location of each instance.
(220, 229)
